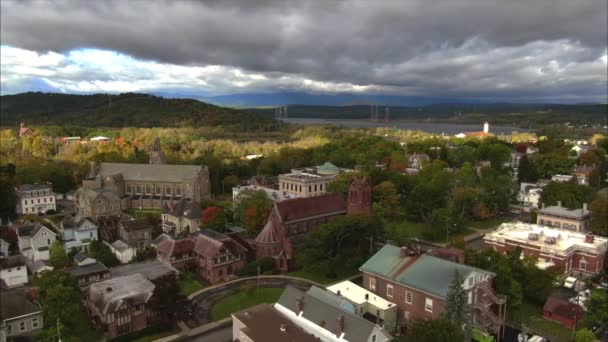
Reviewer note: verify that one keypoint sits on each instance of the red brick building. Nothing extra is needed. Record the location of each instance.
(418, 284)
(571, 252)
(290, 220)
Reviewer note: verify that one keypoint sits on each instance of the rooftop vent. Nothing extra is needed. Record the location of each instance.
(589, 238)
(550, 240)
(533, 236)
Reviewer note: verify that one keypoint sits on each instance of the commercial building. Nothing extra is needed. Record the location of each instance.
(35, 198)
(309, 181)
(560, 217)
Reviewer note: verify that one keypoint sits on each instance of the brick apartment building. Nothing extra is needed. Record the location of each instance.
(569, 251)
(418, 284)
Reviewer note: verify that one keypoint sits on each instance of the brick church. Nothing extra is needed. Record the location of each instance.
(289, 221)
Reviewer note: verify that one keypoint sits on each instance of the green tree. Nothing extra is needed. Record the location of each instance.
(100, 251)
(599, 215)
(526, 172)
(585, 335)
(386, 200)
(597, 308)
(168, 300)
(57, 256)
(437, 330)
(570, 194)
(457, 308)
(252, 210)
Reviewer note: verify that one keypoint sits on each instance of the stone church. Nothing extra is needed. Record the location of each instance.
(109, 188)
(289, 221)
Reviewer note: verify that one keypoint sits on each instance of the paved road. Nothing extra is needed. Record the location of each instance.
(219, 335)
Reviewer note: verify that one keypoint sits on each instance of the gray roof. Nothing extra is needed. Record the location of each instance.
(31, 187)
(150, 269)
(38, 265)
(95, 267)
(159, 239)
(89, 194)
(425, 273)
(120, 245)
(150, 172)
(15, 303)
(31, 229)
(315, 310)
(183, 208)
(108, 295)
(81, 256)
(555, 210)
(332, 299)
(77, 222)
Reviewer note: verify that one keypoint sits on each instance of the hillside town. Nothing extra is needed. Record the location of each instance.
(465, 236)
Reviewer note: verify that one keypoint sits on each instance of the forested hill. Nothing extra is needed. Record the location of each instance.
(129, 109)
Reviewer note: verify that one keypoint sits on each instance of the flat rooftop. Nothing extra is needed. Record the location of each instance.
(554, 210)
(273, 194)
(359, 295)
(263, 323)
(149, 269)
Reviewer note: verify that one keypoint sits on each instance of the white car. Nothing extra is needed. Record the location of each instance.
(537, 338)
(569, 283)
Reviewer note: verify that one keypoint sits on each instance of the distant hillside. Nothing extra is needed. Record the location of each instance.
(522, 115)
(129, 109)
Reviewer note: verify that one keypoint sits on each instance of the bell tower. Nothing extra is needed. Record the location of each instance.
(359, 197)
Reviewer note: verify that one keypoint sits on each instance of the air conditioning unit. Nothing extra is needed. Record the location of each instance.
(550, 240)
(533, 236)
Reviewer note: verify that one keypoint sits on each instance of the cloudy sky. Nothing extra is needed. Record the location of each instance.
(520, 50)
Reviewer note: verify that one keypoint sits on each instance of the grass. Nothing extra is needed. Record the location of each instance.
(402, 232)
(244, 299)
(492, 223)
(322, 279)
(530, 315)
(189, 284)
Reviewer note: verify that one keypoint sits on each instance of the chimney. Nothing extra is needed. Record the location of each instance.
(559, 203)
(299, 305)
(283, 327)
(585, 209)
(589, 238)
(339, 293)
(367, 296)
(403, 252)
(339, 325)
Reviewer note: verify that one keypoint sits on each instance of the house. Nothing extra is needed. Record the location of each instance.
(562, 178)
(309, 181)
(571, 252)
(218, 256)
(120, 305)
(367, 304)
(154, 270)
(82, 258)
(39, 266)
(110, 187)
(583, 174)
(178, 252)
(4, 248)
(419, 283)
(35, 198)
(417, 160)
(136, 233)
(181, 217)
(559, 309)
(529, 195)
(35, 240)
(123, 251)
(320, 316)
(89, 273)
(77, 232)
(289, 221)
(19, 316)
(13, 271)
(263, 323)
(561, 217)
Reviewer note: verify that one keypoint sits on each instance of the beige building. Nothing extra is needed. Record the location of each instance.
(560, 217)
(309, 182)
(182, 217)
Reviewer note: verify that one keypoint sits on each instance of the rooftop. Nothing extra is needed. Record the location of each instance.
(150, 269)
(32, 187)
(304, 208)
(150, 172)
(273, 194)
(359, 295)
(557, 210)
(264, 322)
(108, 295)
(15, 303)
(565, 240)
(120, 245)
(12, 261)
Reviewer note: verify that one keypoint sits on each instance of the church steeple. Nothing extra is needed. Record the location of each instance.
(359, 197)
(156, 155)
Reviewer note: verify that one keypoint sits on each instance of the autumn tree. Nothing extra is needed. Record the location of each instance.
(214, 218)
(252, 210)
(386, 200)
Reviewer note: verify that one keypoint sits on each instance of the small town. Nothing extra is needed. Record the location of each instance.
(303, 171)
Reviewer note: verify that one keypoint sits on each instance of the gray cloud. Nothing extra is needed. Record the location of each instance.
(468, 47)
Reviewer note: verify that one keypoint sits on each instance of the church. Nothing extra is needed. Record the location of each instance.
(289, 221)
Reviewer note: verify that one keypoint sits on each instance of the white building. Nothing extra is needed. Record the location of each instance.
(35, 241)
(529, 195)
(122, 250)
(561, 178)
(35, 198)
(13, 271)
(4, 247)
(77, 232)
(309, 181)
(272, 194)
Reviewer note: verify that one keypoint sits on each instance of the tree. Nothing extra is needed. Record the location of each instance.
(570, 194)
(57, 256)
(526, 172)
(437, 330)
(252, 210)
(599, 215)
(168, 300)
(386, 200)
(214, 218)
(457, 308)
(100, 251)
(229, 182)
(597, 308)
(585, 335)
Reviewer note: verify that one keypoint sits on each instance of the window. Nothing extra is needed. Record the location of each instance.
(35, 323)
(178, 191)
(21, 326)
(583, 265)
(373, 338)
(138, 189)
(48, 242)
(168, 190)
(129, 188)
(409, 297)
(470, 297)
(428, 305)
(372, 284)
(148, 188)
(25, 201)
(389, 290)
(9, 329)
(51, 199)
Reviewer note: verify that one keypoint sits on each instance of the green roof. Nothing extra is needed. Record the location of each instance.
(328, 168)
(427, 273)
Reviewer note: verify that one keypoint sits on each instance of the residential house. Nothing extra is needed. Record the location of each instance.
(159, 239)
(89, 273)
(561, 217)
(13, 271)
(322, 317)
(122, 250)
(419, 283)
(35, 240)
(136, 233)
(120, 305)
(562, 178)
(4, 248)
(178, 252)
(181, 217)
(583, 174)
(35, 198)
(309, 181)
(417, 160)
(39, 266)
(529, 195)
(77, 232)
(559, 309)
(19, 316)
(571, 252)
(82, 258)
(217, 255)
(289, 221)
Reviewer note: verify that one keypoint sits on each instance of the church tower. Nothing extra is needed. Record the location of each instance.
(156, 155)
(359, 197)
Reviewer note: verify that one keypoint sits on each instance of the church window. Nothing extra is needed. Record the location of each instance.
(148, 189)
(178, 190)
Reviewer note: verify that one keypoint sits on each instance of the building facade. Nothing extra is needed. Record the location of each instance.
(13, 271)
(35, 240)
(576, 220)
(181, 217)
(19, 316)
(571, 252)
(311, 181)
(35, 198)
(89, 273)
(77, 232)
(137, 233)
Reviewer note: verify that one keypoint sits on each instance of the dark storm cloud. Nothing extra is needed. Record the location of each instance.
(422, 46)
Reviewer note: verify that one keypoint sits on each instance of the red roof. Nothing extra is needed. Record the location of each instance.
(267, 235)
(302, 208)
(208, 243)
(563, 307)
(172, 247)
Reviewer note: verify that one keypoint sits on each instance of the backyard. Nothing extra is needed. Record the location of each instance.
(530, 315)
(247, 298)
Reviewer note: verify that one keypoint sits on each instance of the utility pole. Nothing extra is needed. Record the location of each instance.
(58, 331)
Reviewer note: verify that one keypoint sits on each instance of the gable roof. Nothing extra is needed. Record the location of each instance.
(172, 247)
(12, 261)
(15, 303)
(159, 239)
(563, 307)
(81, 256)
(307, 207)
(95, 267)
(183, 208)
(208, 242)
(150, 172)
(32, 229)
(425, 273)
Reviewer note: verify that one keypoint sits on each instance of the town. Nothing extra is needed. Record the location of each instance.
(364, 235)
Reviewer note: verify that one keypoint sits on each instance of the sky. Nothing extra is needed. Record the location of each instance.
(515, 50)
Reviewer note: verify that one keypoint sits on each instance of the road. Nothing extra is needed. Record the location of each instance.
(219, 335)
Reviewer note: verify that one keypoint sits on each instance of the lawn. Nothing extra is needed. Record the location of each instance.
(189, 284)
(402, 232)
(531, 316)
(493, 223)
(244, 299)
(320, 278)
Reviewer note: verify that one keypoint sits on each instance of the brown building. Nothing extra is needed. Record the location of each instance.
(89, 274)
(290, 220)
(178, 253)
(137, 233)
(120, 305)
(264, 323)
(419, 284)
